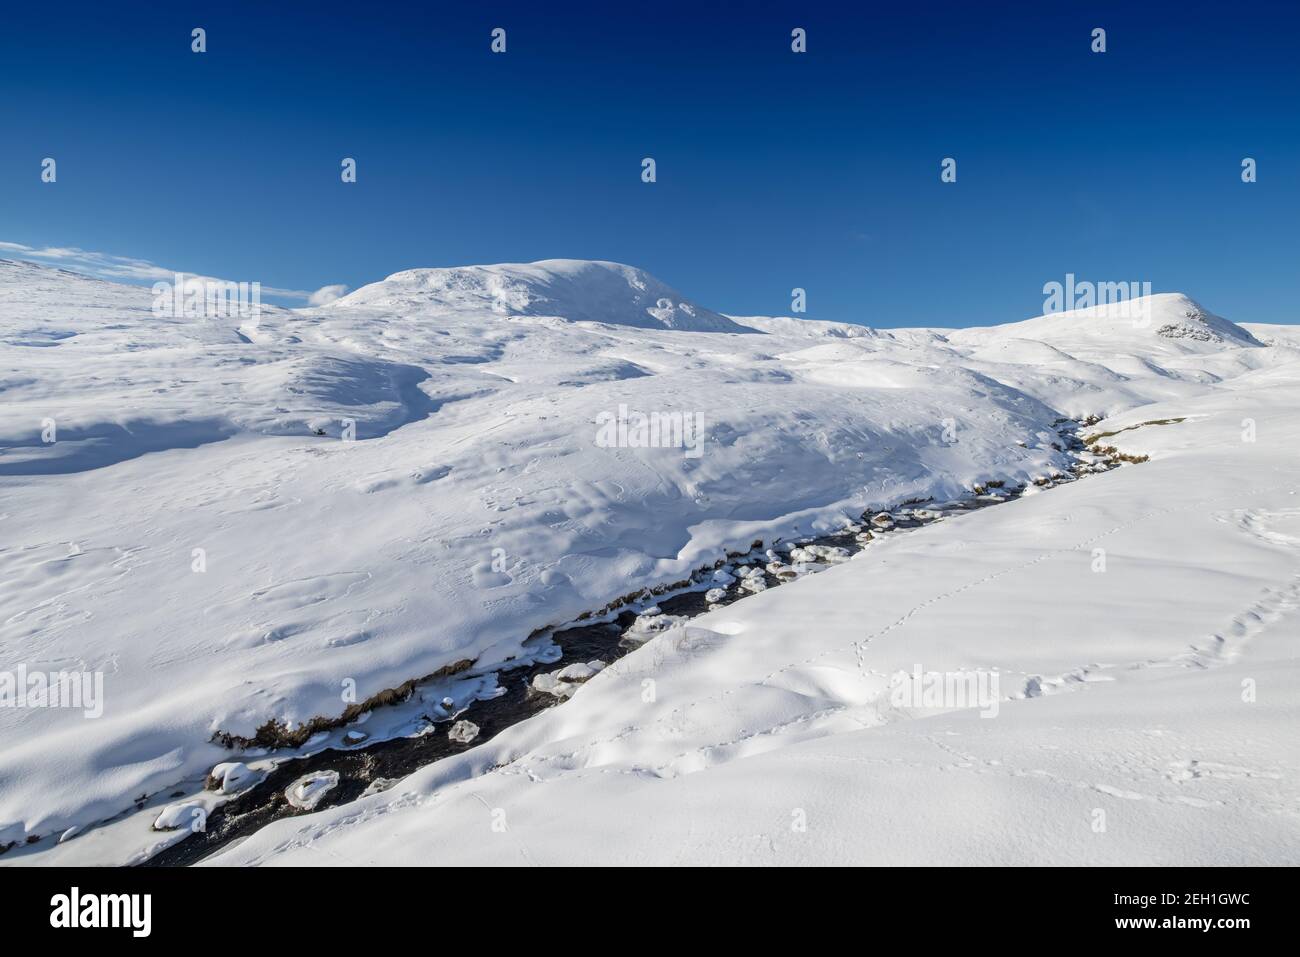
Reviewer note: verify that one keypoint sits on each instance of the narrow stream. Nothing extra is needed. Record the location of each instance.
(383, 761)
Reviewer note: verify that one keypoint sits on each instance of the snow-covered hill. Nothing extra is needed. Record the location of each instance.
(242, 522)
(1160, 325)
(1107, 359)
(577, 290)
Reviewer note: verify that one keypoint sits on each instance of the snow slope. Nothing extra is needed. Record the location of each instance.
(1147, 712)
(474, 506)
(476, 503)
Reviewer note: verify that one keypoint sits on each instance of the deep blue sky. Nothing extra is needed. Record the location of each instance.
(775, 170)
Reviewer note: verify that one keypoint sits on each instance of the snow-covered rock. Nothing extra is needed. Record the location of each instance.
(183, 814)
(231, 777)
(379, 785)
(826, 554)
(463, 732)
(308, 791)
(646, 627)
(564, 682)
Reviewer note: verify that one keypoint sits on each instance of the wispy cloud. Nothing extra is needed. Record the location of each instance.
(128, 269)
(326, 294)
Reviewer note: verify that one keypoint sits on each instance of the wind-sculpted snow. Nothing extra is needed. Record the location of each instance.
(238, 520)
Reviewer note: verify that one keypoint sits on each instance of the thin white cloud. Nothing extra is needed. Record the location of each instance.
(326, 294)
(106, 266)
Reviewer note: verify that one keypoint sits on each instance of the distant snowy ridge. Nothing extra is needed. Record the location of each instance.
(1162, 323)
(577, 290)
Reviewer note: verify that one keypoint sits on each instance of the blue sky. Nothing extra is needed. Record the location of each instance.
(775, 170)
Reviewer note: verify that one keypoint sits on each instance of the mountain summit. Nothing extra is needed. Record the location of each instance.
(573, 289)
(1163, 323)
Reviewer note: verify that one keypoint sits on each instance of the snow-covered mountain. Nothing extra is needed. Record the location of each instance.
(1107, 359)
(1165, 324)
(577, 290)
(242, 521)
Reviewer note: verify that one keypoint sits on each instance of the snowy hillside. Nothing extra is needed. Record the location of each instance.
(1146, 715)
(261, 525)
(1147, 711)
(1107, 359)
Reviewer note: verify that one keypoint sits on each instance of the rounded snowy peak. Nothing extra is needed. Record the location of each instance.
(1161, 322)
(573, 289)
